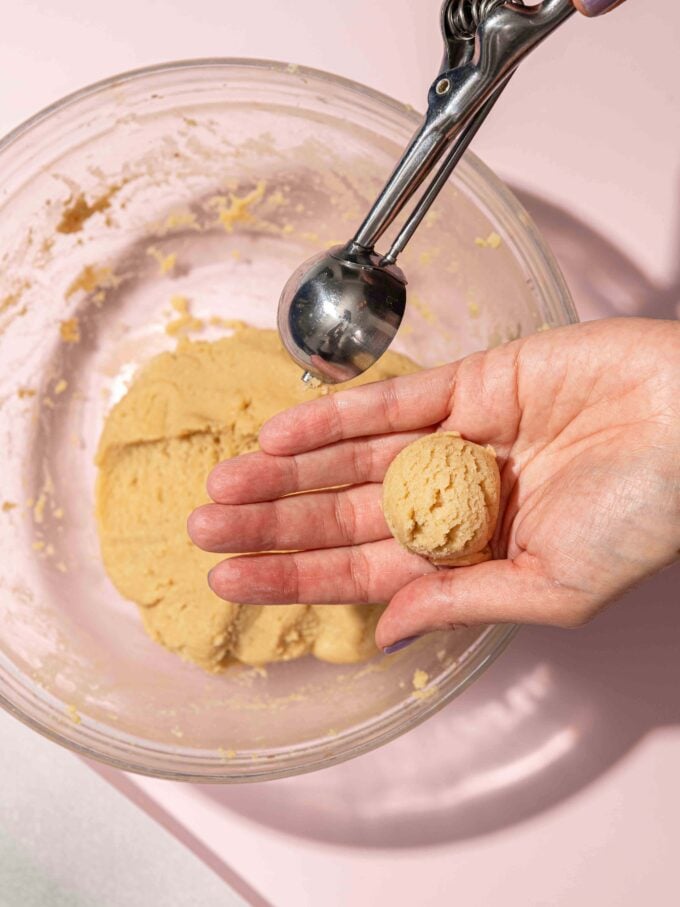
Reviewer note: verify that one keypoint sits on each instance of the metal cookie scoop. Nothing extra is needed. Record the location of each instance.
(341, 309)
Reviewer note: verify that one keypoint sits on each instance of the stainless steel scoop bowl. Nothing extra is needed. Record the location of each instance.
(340, 311)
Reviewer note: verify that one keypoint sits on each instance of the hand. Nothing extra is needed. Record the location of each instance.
(585, 422)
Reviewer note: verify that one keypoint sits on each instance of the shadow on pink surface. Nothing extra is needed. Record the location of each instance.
(557, 711)
(603, 281)
(554, 714)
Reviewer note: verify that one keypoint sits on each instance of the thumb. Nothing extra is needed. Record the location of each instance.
(493, 592)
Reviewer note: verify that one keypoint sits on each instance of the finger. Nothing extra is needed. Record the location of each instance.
(259, 476)
(494, 592)
(398, 404)
(326, 519)
(365, 573)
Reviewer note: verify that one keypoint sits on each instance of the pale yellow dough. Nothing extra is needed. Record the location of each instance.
(441, 497)
(186, 411)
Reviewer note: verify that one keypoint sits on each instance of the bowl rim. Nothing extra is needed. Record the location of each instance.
(496, 638)
(139, 73)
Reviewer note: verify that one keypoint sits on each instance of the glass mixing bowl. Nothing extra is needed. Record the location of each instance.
(111, 202)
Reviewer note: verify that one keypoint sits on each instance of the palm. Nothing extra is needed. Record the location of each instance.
(582, 421)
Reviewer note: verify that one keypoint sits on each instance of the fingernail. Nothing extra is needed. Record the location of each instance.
(398, 646)
(598, 7)
(211, 578)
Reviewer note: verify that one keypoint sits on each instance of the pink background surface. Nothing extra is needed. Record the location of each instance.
(554, 780)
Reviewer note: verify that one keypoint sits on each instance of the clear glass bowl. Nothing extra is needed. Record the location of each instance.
(95, 194)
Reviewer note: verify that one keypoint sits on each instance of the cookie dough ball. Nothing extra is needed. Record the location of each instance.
(441, 497)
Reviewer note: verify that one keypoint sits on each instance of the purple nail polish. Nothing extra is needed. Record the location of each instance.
(598, 7)
(398, 646)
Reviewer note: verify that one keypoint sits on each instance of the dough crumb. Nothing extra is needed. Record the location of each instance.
(427, 257)
(60, 386)
(78, 211)
(9, 505)
(70, 330)
(166, 263)
(424, 694)
(180, 219)
(231, 324)
(39, 508)
(8, 301)
(186, 323)
(92, 277)
(424, 310)
(420, 679)
(73, 714)
(276, 199)
(238, 209)
(492, 241)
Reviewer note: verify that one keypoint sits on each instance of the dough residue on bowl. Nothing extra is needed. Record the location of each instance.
(186, 411)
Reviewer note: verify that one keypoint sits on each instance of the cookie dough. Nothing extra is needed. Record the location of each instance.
(186, 411)
(441, 497)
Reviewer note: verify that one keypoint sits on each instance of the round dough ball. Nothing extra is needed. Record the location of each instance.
(441, 497)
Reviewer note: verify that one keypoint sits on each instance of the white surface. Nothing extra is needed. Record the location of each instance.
(591, 123)
(67, 839)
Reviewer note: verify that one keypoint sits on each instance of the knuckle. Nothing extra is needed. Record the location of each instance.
(362, 461)
(333, 417)
(273, 530)
(345, 517)
(291, 478)
(360, 574)
(289, 583)
(390, 403)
